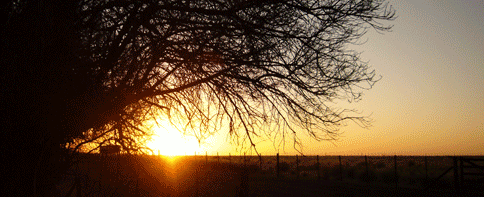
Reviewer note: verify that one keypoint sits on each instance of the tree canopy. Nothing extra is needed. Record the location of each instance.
(246, 63)
(96, 71)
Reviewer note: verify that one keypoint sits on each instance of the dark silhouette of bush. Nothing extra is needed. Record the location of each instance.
(351, 173)
(411, 163)
(316, 166)
(361, 165)
(388, 176)
(252, 168)
(329, 171)
(304, 174)
(380, 165)
(312, 167)
(284, 166)
(369, 176)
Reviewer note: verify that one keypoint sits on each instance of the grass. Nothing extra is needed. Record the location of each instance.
(224, 176)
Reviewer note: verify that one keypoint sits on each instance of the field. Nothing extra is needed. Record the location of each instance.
(254, 176)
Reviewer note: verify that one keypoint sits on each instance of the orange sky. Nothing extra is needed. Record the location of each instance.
(430, 100)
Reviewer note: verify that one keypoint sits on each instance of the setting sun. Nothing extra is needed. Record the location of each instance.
(169, 141)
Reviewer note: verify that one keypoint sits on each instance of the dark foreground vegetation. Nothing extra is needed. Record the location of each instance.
(142, 175)
(89, 73)
(135, 175)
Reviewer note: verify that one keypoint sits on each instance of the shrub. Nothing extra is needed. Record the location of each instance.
(380, 165)
(315, 166)
(361, 165)
(304, 174)
(284, 166)
(330, 172)
(351, 173)
(388, 176)
(253, 168)
(370, 177)
(411, 163)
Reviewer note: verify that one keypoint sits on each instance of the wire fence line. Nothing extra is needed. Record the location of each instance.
(421, 172)
(397, 170)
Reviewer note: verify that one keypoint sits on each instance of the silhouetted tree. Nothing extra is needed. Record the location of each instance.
(96, 71)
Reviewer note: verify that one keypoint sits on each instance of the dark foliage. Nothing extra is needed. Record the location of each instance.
(284, 166)
(81, 72)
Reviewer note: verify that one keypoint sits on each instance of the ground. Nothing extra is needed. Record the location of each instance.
(152, 176)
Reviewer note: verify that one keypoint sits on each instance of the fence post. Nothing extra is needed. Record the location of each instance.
(461, 174)
(245, 161)
(456, 174)
(297, 166)
(260, 161)
(340, 169)
(277, 165)
(426, 169)
(366, 166)
(218, 158)
(396, 173)
(318, 167)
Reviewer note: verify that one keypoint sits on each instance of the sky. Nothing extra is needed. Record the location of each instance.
(430, 100)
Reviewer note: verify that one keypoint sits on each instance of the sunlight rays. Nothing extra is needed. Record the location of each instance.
(169, 142)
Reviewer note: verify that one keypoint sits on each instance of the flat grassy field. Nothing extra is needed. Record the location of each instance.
(238, 176)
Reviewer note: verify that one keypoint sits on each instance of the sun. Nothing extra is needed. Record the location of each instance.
(168, 141)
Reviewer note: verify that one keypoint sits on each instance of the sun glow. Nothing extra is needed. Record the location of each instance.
(168, 141)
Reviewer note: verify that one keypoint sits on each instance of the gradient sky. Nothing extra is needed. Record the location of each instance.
(430, 100)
